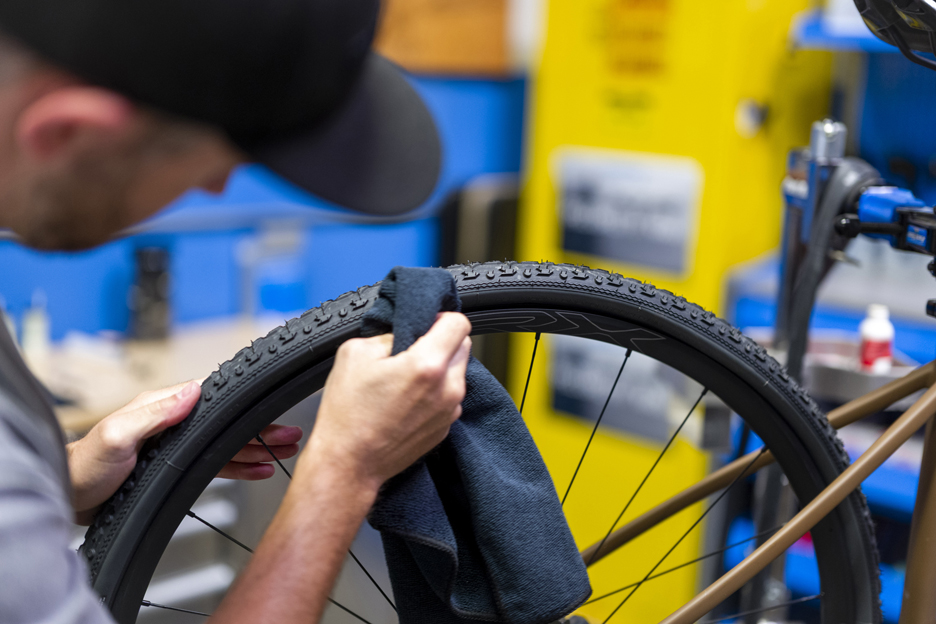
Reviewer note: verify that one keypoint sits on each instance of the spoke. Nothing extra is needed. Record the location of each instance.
(771, 608)
(147, 603)
(356, 560)
(684, 535)
(275, 458)
(373, 580)
(647, 476)
(347, 610)
(688, 563)
(191, 514)
(248, 549)
(526, 386)
(598, 422)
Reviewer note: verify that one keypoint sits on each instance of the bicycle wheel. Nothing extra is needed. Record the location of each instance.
(276, 372)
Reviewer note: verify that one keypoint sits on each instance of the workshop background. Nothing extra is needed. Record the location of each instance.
(539, 104)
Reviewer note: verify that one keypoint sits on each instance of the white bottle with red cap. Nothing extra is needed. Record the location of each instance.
(877, 340)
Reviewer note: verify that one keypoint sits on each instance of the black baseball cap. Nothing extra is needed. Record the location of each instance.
(294, 83)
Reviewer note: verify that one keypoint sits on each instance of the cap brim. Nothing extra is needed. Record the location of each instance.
(379, 153)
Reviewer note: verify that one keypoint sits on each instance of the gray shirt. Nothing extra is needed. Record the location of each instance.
(41, 579)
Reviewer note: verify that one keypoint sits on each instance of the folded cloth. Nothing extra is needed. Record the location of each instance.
(475, 530)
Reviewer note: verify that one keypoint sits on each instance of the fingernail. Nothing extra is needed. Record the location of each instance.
(189, 390)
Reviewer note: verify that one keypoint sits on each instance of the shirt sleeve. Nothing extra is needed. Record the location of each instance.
(41, 579)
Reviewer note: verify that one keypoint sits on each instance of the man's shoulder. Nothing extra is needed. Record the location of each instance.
(26, 414)
(24, 466)
(28, 449)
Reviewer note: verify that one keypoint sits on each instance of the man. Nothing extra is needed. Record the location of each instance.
(109, 109)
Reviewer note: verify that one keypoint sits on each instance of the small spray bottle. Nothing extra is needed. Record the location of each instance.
(877, 340)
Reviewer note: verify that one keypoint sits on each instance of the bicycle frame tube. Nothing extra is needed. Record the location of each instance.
(853, 411)
(919, 599)
(909, 423)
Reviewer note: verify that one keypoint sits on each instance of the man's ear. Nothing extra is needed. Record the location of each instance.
(52, 124)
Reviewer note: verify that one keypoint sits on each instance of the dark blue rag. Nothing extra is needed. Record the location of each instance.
(474, 531)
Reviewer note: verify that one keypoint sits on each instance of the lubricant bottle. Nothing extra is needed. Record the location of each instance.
(877, 340)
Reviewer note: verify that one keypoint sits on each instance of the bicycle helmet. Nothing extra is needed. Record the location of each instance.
(908, 24)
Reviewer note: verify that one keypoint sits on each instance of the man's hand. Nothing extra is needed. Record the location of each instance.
(379, 414)
(101, 461)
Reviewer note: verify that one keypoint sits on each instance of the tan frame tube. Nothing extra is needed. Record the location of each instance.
(898, 433)
(852, 411)
(919, 599)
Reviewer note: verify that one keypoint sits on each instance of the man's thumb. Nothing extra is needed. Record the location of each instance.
(171, 410)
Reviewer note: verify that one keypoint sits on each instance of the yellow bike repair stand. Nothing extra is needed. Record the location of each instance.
(657, 142)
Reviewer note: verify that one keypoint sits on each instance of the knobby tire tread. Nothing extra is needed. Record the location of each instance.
(333, 318)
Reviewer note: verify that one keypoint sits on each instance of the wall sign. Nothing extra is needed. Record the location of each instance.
(649, 401)
(636, 208)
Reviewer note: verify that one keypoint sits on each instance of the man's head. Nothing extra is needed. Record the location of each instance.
(78, 163)
(117, 107)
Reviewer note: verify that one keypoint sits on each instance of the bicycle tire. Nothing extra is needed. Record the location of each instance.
(275, 372)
